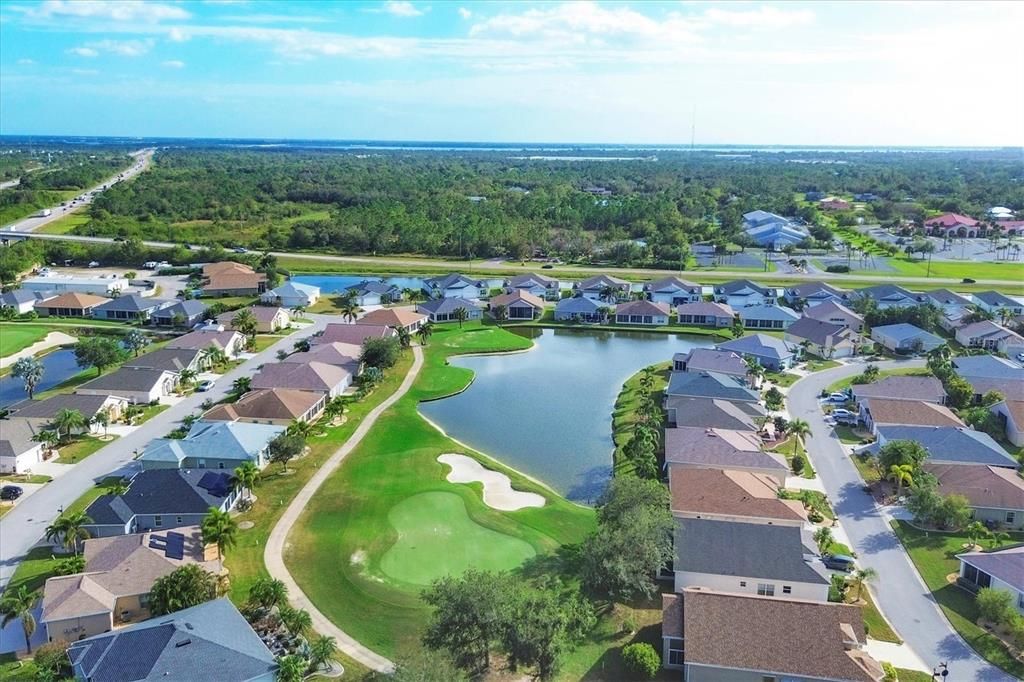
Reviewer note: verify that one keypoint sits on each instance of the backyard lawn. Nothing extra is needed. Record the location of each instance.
(624, 413)
(15, 337)
(934, 555)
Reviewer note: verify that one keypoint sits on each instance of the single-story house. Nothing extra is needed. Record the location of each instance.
(343, 355)
(228, 341)
(540, 286)
(997, 569)
(717, 636)
(129, 307)
(212, 638)
(741, 293)
(812, 294)
(647, 313)
(945, 300)
(353, 334)
(137, 385)
(396, 318)
(519, 305)
(886, 296)
(1011, 414)
(71, 304)
(711, 413)
(926, 388)
(834, 312)
(989, 335)
(949, 444)
(876, 412)
(728, 495)
(19, 449)
(705, 314)
(60, 284)
(708, 384)
(604, 288)
(712, 360)
(995, 303)
(767, 317)
(374, 292)
(996, 494)
(952, 318)
(23, 301)
(673, 291)
(229, 278)
(824, 339)
(443, 309)
(582, 309)
(291, 295)
(269, 319)
(696, 446)
(307, 376)
(174, 360)
(43, 411)
(905, 338)
(113, 589)
(187, 313)
(161, 499)
(990, 373)
(749, 558)
(455, 285)
(280, 406)
(772, 353)
(212, 445)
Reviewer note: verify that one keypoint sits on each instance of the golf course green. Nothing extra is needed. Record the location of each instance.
(436, 538)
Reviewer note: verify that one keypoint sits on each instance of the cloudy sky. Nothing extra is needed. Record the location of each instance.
(894, 73)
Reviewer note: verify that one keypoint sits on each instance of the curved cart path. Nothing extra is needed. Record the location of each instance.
(273, 555)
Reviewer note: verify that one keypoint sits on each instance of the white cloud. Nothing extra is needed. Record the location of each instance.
(24, 61)
(110, 11)
(173, 64)
(402, 8)
(122, 48)
(84, 52)
(762, 17)
(465, 13)
(177, 35)
(84, 72)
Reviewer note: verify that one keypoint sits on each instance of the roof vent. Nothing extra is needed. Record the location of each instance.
(184, 642)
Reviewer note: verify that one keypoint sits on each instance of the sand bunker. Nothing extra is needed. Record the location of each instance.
(498, 492)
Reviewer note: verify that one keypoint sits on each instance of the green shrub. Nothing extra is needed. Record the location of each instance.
(50, 660)
(995, 605)
(890, 672)
(642, 658)
(798, 463)
(837, 268)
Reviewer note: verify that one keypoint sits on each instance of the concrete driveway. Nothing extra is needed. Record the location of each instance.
(23, 527)
(901, 594)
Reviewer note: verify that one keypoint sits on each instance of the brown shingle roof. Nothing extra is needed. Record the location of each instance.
(353, 333)
(983, 486)
(226, 266)
(1016, 410)
(235, 280)
(73, 299)
(914, 412)
(720, 448)
(706, 308)
(672, 615)
(642, 308)
(310, 376)
(517, 296)
(781, 636)
(730, 493)
(393, 317)
(270, 403)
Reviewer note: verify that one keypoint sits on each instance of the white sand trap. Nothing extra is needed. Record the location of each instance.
(498, 492)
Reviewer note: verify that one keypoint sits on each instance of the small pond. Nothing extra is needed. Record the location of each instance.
(547, 412)
(58, 367)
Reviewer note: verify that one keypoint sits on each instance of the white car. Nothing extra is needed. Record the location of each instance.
(837, 398)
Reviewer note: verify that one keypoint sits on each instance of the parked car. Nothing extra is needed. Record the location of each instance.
(1020, 357)
(240, 249)
(841, 413)
(838, 562)
(837, 398)
(204, 385)
(10, 492)
(94, 264)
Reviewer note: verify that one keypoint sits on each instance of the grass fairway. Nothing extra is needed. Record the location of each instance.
(15, 337)
(340, 551)
(436, 538)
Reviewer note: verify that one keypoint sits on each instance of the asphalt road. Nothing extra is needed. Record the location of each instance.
(142, 160)
(901, 594)
(23, 527)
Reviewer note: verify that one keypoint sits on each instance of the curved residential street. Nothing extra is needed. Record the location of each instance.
(273, 555)
(900, 593)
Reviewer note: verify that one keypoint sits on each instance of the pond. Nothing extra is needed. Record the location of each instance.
(548, 412)
(58, 367)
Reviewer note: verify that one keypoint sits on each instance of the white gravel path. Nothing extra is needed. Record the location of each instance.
(498, 492)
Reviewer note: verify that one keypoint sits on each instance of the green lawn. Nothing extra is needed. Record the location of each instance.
(13, 670)
(782, 379)
(844, 384)
(877, 626)
(39, 564)
(788, 449)
(906, 675)
(1010, 271)
(934, 555)
(66, 224)
(350, 524)
(80, 447)
(16, 337)
(866, 468)
(821, 365)
(847, 435)
(624, 412)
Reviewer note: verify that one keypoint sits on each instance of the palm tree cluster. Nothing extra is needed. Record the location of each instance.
(69, 529)
(641, 450)
(425, 331)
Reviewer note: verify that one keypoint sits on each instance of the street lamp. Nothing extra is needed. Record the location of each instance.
(940, 672)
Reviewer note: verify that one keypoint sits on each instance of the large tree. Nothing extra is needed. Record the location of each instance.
(69, 529)
(381, 353)
(184, 587)
(99, 352)
(30, 371)
(899, 453)
(542, 625)
(285, 447)
(135, 341)
(469, 616)
(19, 604)
(67, 420)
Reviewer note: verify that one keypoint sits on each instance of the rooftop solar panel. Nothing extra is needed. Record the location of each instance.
(175, 546)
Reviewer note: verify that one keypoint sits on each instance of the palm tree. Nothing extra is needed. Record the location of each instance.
(335, 408)
(425, 331)
(500, 313)
(246, 476)
(69, 529)
(301, 428)
(755, 370)
(245, 322)
(997, 539)
(290, 668)
(102, 418)
(609, 294)
(268, 592)
(68, 420)
(301, 346)
(941, 353)
(117, 487)
(404, 337)
(220, 529)
(187, 376)
(321, 650)
(212, 357)
(975, 531)
(901, 474)
(19, 603)
(461, 314)
(349, 311)
(48, 438)
(800, 429)
(296, 620)
(861, 576)
(299, 311)
(241, 385)
(30, 371)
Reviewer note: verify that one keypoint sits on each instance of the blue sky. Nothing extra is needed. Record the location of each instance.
(894, 73)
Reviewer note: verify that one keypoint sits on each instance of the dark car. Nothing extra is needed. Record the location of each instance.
(10, 492)
(968, 280)
(838, 562)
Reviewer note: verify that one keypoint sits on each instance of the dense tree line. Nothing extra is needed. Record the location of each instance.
(45, 179)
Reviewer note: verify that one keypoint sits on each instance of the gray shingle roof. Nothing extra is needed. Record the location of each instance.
(1006, 564)
(157, 491)
(741, 286)
(904, 331)
(951, 444)
(747, 550)
(169, 359)
(815, 331)
(579, 304)
(17, 436)
(711, 360)
(902, 388)
(708, 413)
(189, 308)
(205, 642)
(88, 405)
(445, 306)
(709, 385)
(759, 345)
(721, 449)
(768, 312)
(987, 367)
(888, 293)
(132, 303)
(126, 378)
(451, 280)
(994, 298)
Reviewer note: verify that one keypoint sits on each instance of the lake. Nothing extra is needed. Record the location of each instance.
(58, 367)
(548, 412)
